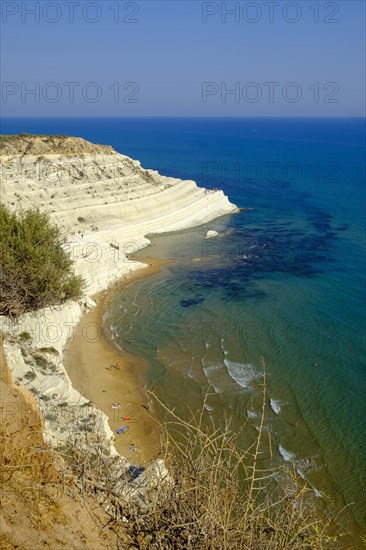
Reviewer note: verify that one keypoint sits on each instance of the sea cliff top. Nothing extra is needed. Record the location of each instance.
(34, 144)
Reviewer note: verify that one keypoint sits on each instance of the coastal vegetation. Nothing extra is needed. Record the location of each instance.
(223, 496)
(39, 144)
(35, 269)
(218, 496)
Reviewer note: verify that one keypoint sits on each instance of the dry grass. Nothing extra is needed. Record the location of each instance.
(40, 505)
(218, 496)
(221, 497)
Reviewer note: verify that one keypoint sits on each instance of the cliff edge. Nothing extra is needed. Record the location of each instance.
(106, 202)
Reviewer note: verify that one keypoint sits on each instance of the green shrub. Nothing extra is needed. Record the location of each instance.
(40, 361)
(35, 270)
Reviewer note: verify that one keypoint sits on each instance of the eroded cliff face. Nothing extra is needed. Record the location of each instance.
(40, 504)
(106, 202)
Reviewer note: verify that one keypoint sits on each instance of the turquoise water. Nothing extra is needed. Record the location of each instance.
(284, 280)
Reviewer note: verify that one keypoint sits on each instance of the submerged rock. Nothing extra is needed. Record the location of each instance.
(211, 233)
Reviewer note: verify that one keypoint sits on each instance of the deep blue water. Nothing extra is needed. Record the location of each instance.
(285, 280)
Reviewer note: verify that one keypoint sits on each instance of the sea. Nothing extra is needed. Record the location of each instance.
(283, 284)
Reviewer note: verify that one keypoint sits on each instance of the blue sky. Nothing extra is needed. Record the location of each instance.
(183, 58)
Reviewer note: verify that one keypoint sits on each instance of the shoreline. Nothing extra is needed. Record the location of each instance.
(105, 373)
(133, 371)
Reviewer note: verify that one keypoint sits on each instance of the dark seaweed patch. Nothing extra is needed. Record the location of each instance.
(285, 234)
(342, 227)
(191, 302)
(265, 251)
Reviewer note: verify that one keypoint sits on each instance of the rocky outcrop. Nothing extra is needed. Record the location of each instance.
(211, 233)
(33, 349)
(107, 204)
(72, 424)
(28, 144)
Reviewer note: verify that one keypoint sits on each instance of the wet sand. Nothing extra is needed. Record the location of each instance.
(106, 374)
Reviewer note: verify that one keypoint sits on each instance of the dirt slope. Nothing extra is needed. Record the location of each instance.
(39, 505)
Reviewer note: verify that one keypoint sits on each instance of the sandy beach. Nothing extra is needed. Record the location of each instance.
(106, 375)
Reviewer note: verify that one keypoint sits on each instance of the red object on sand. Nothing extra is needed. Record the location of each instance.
(125, 418)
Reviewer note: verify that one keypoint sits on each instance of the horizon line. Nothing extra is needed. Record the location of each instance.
(183, 116)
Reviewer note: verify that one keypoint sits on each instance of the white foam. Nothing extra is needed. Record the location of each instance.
(286, 455)
(242, 373)
(317, 493)
(275, 405)
(301, 472)
(303, 466)
(211, 368)
(222, 345)
(211, 372)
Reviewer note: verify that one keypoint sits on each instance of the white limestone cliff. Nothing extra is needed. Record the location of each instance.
(107, 204)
